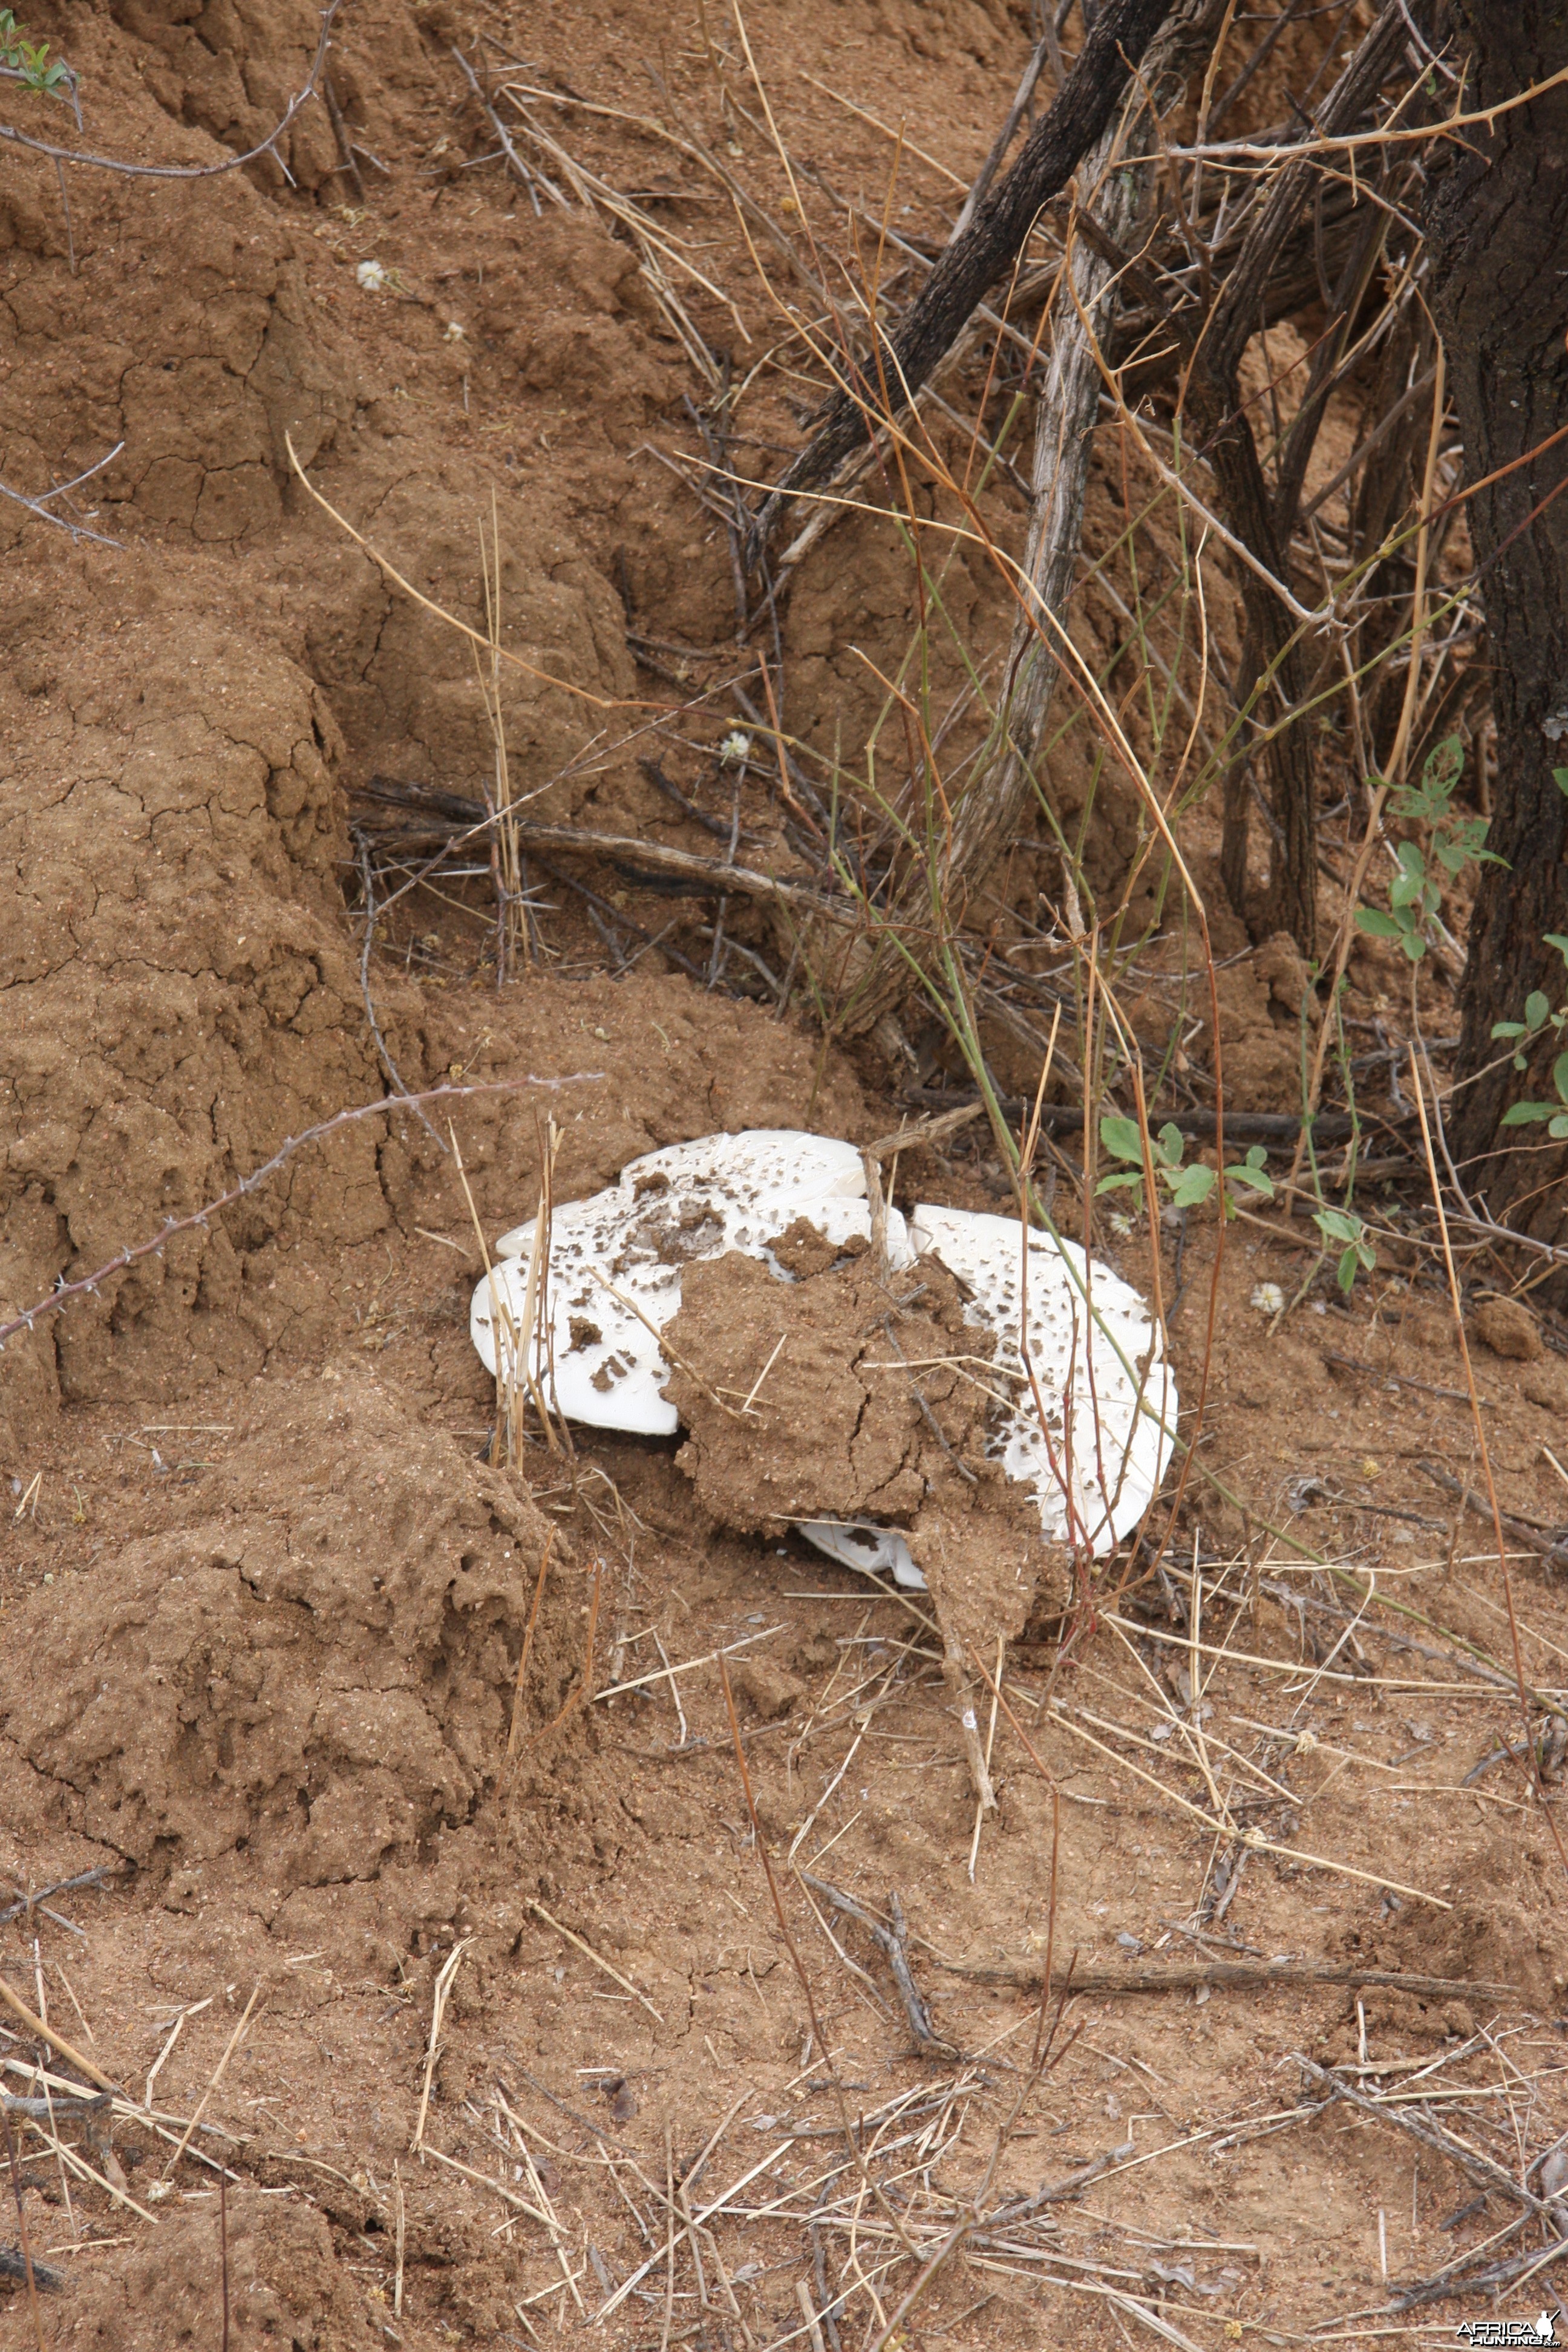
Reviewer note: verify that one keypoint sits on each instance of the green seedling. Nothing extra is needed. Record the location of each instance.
(1539, 1018)
(1416, 896)
(28, 62)
(1339, 1228)
(1189, 1185)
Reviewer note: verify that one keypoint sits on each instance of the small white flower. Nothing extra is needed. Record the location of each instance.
(1269, 1298)
(453, 332)
(734, 749)
(1121, 1226)
(371, 275)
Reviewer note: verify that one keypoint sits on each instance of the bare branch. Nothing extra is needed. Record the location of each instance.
(40, 506)
(385, 1104)
(268, 146)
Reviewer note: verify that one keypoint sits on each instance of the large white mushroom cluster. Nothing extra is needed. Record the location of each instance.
(1094, 1411)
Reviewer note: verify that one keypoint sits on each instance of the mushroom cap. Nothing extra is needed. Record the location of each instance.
(601, 1364)
(1091, 1431)
(1106, 1391)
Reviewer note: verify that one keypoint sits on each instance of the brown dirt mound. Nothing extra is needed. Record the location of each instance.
(180, 993)
(285, 2286)
(313, 1678)
(184, 993)
(837, 1429)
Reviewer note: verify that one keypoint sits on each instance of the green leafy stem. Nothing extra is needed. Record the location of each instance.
(1540, 1020)
(1416, 896)
(1189, 1185)
(28, 62)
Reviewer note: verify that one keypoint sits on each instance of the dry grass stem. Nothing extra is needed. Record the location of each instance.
(230, 2046)
(439, 2001)
(24, 2016)
(400, 2232)
(663, 1347)
(667, 1673)
(590, 1954)
(515, 1728)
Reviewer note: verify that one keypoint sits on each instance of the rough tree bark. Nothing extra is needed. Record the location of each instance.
(1496, 230)
(987, 818)
(1078, 115)
(1225, 438)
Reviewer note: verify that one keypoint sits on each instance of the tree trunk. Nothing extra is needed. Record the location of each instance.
(1224, 439)
(987, 820)
(1497, 229)
(1116, 186)
(1080, 113)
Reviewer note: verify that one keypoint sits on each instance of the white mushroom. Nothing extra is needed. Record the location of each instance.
(1110, 1403)
(1091, 1434)
(671, 1208)
(861, 1544)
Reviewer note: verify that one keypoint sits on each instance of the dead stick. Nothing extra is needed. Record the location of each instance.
(223, 2248)
(58, 2042)
(385, 1105)
(22, 2229)
(663, 1347)
(1237, 1976)
(589, 1953)
(231, 2046)
(1480, 2168)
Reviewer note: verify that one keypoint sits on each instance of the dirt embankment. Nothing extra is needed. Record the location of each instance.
(305, 1683)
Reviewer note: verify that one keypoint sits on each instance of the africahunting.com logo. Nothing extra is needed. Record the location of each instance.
(1510, 2331)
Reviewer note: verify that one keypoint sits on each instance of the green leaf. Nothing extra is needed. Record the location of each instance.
(1256, 1156)
(1413, 945)
(1193, 1185)
(1558, 1127)
(1122, 1138)
(1336, 1225)
(1257, 1180)
(1560, 778)
(1560, 1076)
(1114, 1184)
(1526, 1114)
(1381, 926)
(1510, 1028)
(1559, 940)
(1350, 1267)
(1537, 1009)
(1411, 859)
(1405, 890)
(1172, 1144)
(1444, 766)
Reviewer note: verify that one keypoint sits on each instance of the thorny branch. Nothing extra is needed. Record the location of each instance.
(65, 1293)
(267, 146)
